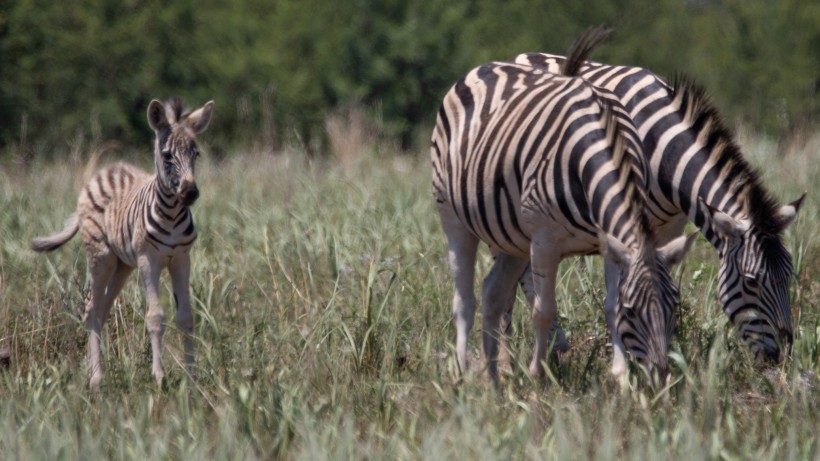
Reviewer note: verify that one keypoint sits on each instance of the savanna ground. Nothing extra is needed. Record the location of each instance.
(322, 301)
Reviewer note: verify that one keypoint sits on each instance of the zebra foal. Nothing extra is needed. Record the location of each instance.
(129, 219)
(539, 167)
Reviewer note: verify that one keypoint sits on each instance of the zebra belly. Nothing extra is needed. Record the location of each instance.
(567, 238)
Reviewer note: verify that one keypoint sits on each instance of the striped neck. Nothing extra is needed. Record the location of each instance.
(167, 206)
(716, 170)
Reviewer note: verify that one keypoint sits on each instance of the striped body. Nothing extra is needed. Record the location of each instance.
(697, 172)
(128, 210)
(129, 219)
(538, 167)
(490, 129)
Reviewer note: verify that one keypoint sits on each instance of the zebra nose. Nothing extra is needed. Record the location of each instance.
(189, 192)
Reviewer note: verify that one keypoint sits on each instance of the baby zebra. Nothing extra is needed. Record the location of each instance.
(130, 219)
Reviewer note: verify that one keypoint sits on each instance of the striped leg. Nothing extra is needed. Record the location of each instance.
(180, 269)
(544, 270)
(498, 292)
(155, 318)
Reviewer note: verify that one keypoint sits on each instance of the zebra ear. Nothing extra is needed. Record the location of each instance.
(723, 224)
(199, 119)
(617, 252)
(157, 117)
(674, 251)
(786, 214)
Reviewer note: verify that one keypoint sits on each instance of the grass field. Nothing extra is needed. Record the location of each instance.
(323, 331)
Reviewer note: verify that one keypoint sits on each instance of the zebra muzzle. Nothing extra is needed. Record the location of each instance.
(188, 192)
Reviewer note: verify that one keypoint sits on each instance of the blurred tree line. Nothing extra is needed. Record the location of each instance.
(86, 70)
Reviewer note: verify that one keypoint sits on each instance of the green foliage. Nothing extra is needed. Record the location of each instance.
(275, 69)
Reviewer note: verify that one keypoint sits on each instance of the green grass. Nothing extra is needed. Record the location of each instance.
(323, 332)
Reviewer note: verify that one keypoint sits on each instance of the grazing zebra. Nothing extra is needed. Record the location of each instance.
(696, 171)
(538, 167)
(130, 219)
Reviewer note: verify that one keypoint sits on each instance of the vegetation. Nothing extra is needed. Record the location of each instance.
(78, 72)
(323, 332)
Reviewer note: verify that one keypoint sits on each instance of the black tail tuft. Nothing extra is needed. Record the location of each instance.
(583, 46)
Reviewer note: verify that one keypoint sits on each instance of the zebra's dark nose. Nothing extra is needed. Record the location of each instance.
(189, 193)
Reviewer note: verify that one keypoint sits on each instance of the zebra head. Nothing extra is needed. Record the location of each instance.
(175, 150)
(754, 276)
(647, 300)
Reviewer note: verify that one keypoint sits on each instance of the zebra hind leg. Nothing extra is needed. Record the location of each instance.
(462, 247)
(101, 263)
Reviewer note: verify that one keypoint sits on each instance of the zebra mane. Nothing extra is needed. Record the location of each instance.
(697, 108)
(582, 47)
(175, 109)
(625, 164)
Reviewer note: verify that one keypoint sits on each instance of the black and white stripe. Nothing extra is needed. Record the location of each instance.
(696, 171)
(539, 167)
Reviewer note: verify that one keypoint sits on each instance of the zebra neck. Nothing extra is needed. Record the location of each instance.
(166, 208)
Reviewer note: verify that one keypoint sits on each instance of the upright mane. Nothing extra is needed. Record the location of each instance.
(625, 163)
(697, 109)
(175, 109)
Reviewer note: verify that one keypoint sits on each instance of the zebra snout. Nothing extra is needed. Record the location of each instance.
(188, 192)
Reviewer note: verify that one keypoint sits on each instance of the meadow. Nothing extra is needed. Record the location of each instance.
(323, 331)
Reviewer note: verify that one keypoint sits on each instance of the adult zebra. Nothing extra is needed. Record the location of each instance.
(130, 219)
(696, 171)
(538, 166)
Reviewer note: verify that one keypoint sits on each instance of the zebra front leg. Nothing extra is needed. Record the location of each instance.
(498, 294)
(155, 318)
(557, 336)
(544, 262)
(180, 269)
(619, 359)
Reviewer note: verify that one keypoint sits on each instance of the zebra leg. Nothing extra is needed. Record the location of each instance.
(114, 287)
(498, 292)
(557, 336)
(611, 275)
(155, 318)
(544, 270)
(462, 247)
(180, 269)
(101, 263)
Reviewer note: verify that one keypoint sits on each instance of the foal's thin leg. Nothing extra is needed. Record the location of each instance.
(101, 266)
(180, 269)
(155, 318)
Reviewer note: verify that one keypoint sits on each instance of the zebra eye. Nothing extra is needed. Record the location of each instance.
(167, 155)
(751, 280)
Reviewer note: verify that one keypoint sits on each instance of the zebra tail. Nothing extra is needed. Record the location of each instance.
(583, 46)
(52, 242)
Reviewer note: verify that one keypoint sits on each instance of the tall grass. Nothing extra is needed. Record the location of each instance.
(323, 332)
